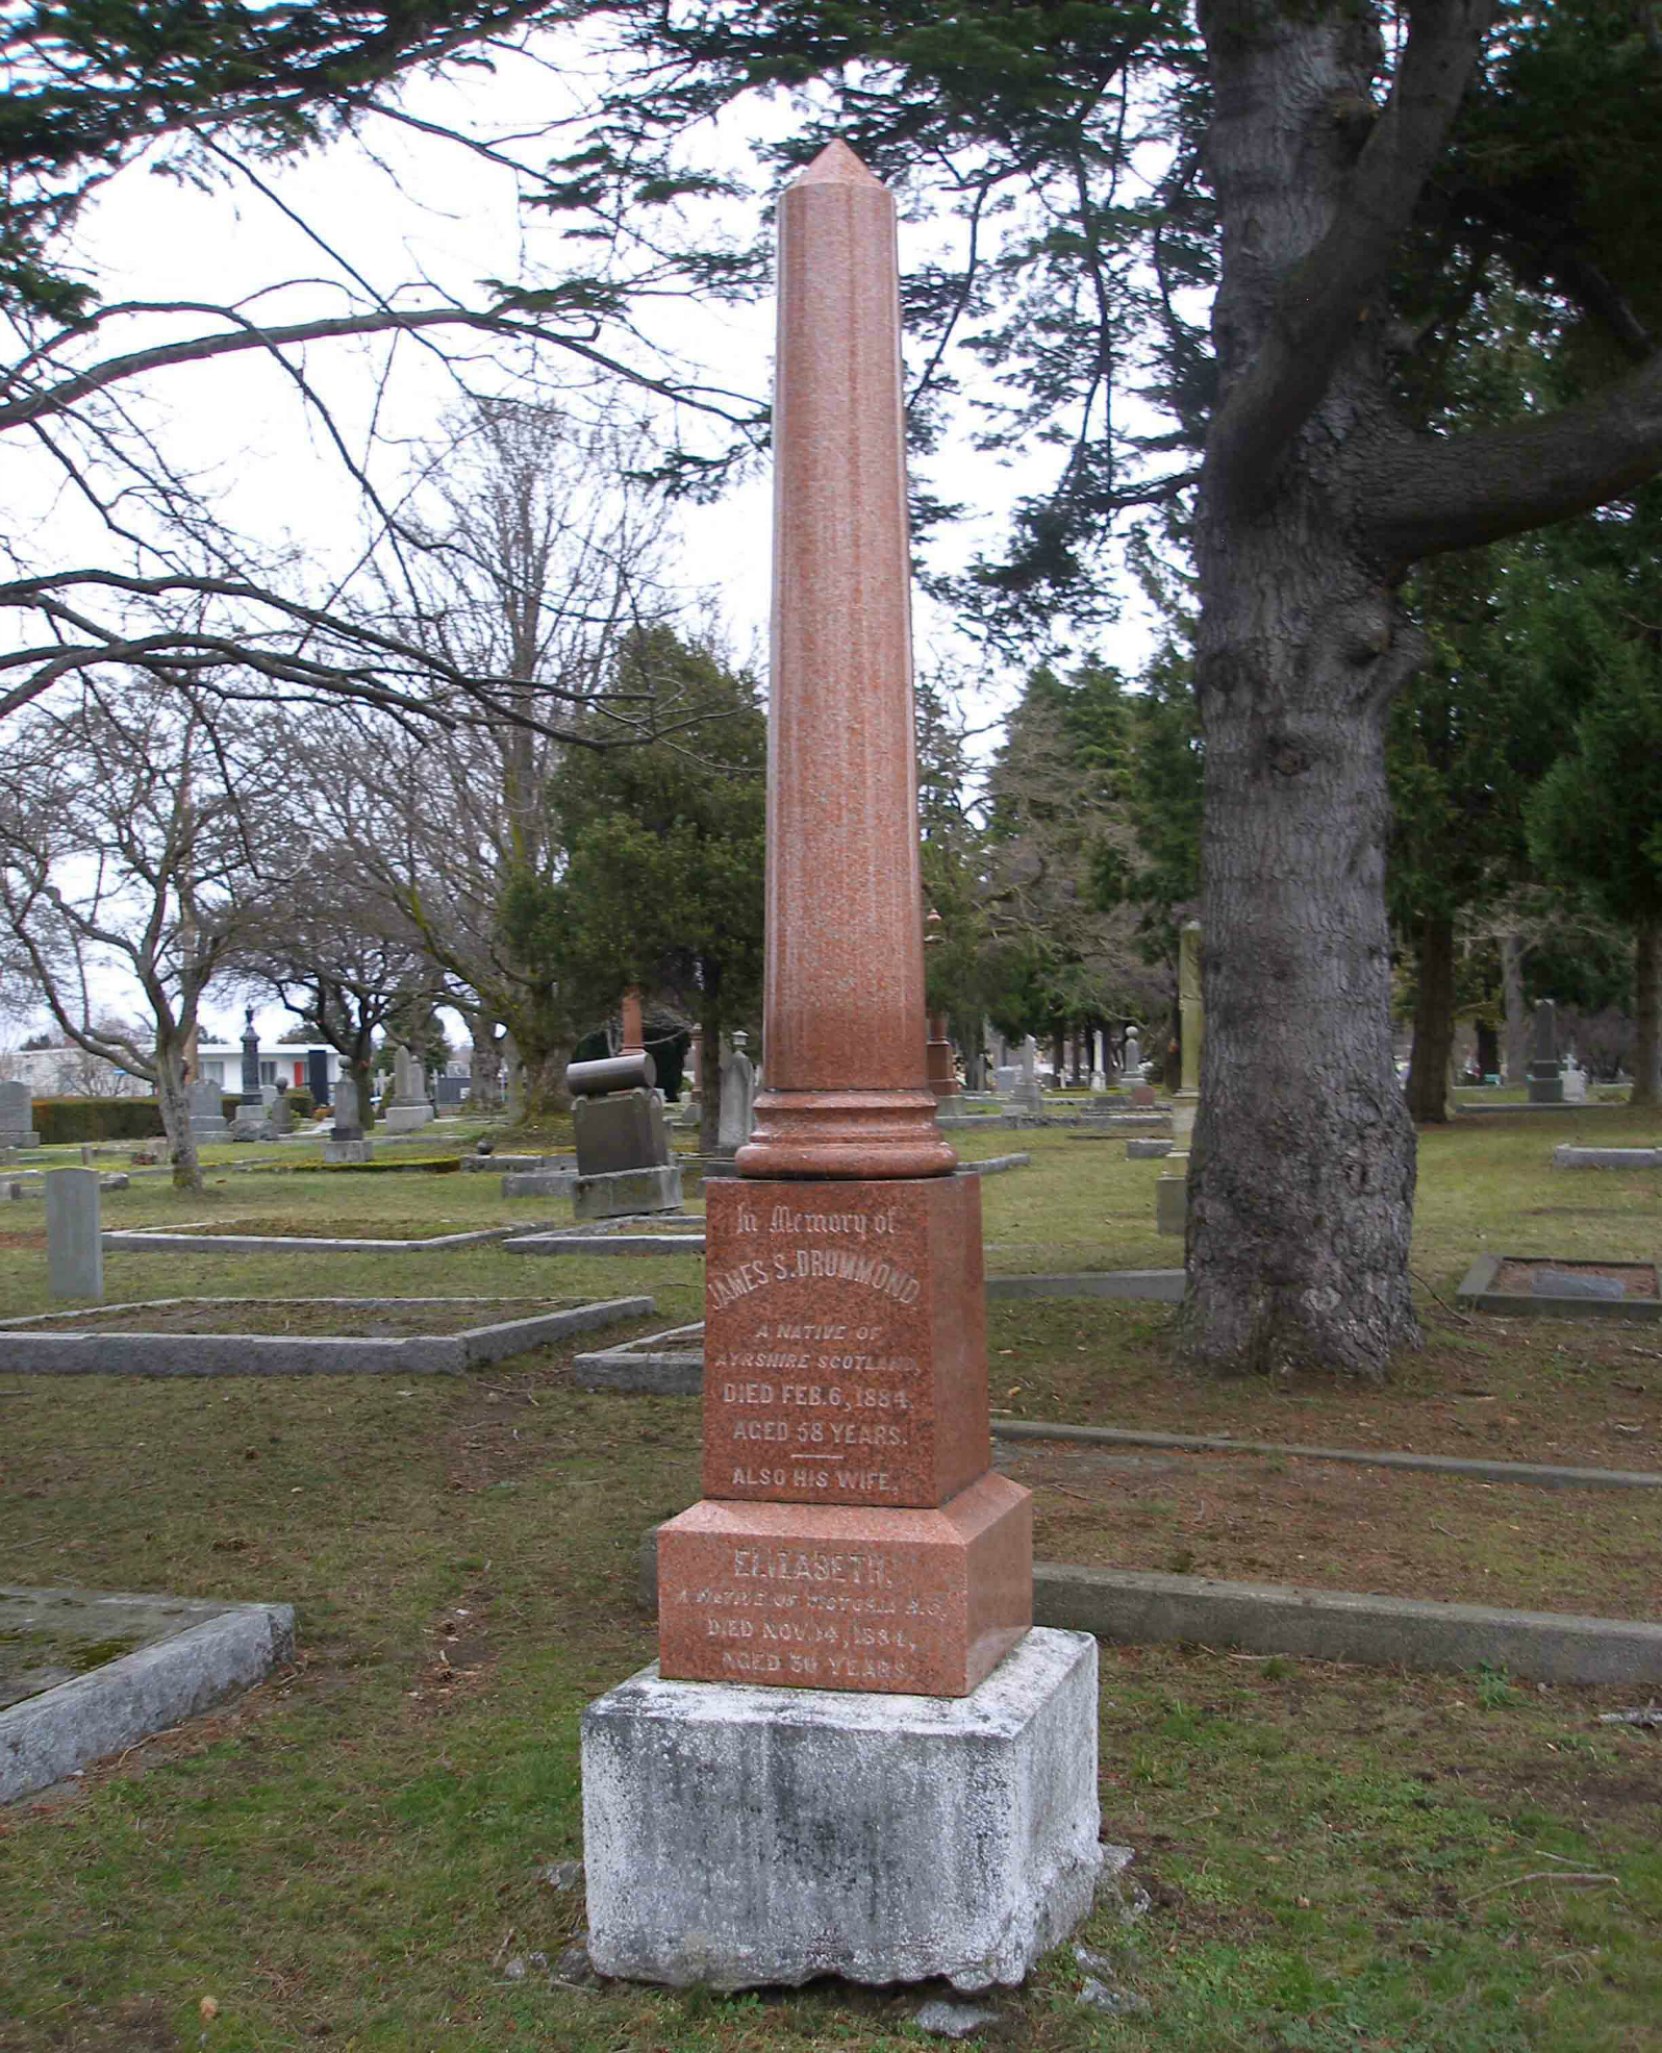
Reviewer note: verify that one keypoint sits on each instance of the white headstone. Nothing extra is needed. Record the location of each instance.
(738, 1093)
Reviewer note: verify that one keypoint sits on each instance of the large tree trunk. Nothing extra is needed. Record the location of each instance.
(1428, 1066)
(1302, 1172)
(175, 1111)
(486, 1093)
(1647, 1012)
(1516, 1042)
(1301, 1177)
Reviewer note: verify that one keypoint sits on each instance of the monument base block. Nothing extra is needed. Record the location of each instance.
(406, 1118)
(337, 1152)
(621, 1193)
(820, 1596)
(748, 1837)
(1171, 1205)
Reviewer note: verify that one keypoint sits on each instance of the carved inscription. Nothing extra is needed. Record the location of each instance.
(812, 1616)
(816, 1351)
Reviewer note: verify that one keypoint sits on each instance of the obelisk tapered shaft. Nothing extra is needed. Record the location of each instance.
(847, 1092)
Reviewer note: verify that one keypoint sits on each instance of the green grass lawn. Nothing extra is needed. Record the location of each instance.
(1335, 1858)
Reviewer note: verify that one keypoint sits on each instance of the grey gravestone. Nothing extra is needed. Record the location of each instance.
(1546, 1076)
(74, 1242)
(1574, 1283)
(16, 1117)
(250, 1123)
(346, 1141)
(282, 1114)
(206, 1105)
(1575, 1082)
(625, 1131)
(1131, 1069)
(1026, 1092)
(410, 1105)
(738, 1094)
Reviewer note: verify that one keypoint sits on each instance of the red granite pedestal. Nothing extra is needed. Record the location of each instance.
(852, 1535)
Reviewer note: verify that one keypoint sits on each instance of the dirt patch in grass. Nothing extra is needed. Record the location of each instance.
(1518, 1277)
(1541, 1390)
(1342, 1527)
(320, 1316)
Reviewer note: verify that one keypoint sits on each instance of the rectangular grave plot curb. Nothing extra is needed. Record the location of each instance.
(144, 1240)
(47, 1737)
(1532, 1474)
(1153, 1286)
(1137, 1608)
(482, 1344)
(605, 1244)
(652, 1366)
(266, 1354)
(1477, 1293)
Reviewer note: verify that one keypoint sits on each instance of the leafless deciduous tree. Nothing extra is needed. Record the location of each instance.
(536, 559)
(137, 842)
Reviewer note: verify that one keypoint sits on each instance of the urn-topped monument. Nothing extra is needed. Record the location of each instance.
(854, 1755)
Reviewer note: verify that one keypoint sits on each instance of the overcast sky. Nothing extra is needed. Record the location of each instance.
(397, 209)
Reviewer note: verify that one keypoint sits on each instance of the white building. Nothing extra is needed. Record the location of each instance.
(288, 1063)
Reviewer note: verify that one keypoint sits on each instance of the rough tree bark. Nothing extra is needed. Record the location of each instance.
(175, 1111)
(1428, 1066)
(1315, 498)
(1647, 1012)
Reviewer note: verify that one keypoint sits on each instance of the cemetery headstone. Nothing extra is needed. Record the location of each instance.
(853, 1755)
(624, 1165)
(346, 1141)
(738, 1093)
(632, 1036)
(1545, 1082)
(206, 1105)
(281, 1115)
(411, 1107)
(1574, 1081)
(250, 1123)
(74, 1235)
(1131, 1066)
(1026, 1093)
(17, 1111)
(1171, 1191)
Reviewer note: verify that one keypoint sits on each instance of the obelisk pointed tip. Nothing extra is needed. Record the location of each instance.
(837, 164)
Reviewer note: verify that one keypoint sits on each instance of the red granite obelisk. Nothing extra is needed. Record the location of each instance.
(852, 1533)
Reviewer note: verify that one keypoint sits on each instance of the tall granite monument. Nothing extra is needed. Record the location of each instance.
(854, 1755)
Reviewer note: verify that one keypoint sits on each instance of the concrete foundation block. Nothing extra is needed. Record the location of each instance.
(1171, 1205)
(1147, 1150)
(406, 1118)
(538, 1183)
(743, 1837)
(336, 1152)
(621, 1193)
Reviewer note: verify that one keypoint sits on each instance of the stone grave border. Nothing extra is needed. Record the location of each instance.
(1477, 1292)
(1143, 1607)
(612, 1237)
(667, 1364)
(181, 1240)
(221, 1650)
(1569, 1156)
(33, 1352)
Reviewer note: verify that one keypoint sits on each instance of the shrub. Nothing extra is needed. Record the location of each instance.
(61, 1121)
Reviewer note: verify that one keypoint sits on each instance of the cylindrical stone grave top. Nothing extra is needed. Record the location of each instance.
(843, 1037)
(626, 1072)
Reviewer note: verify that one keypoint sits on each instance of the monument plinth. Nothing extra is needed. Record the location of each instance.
(851, 1602)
